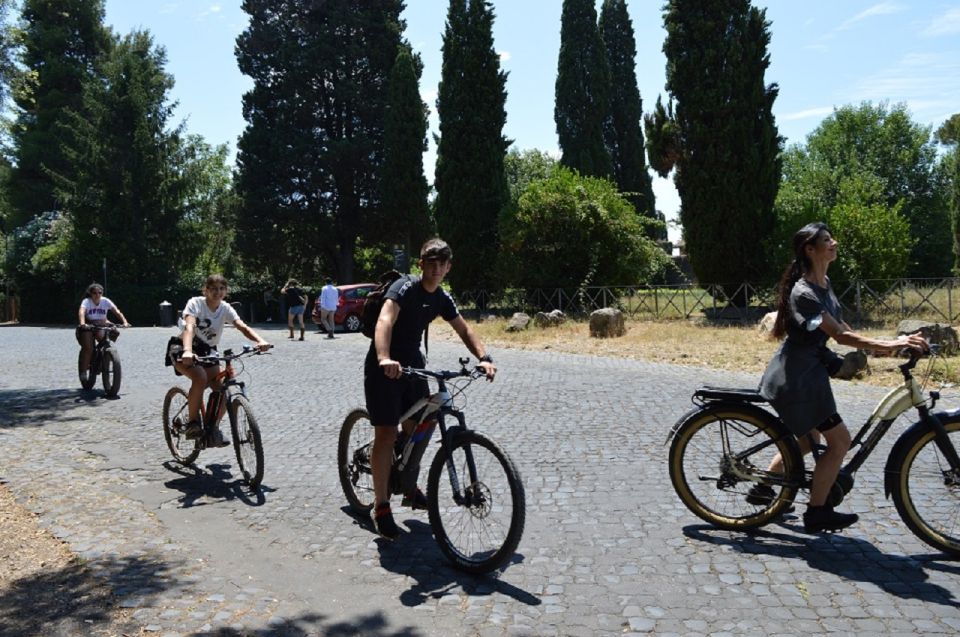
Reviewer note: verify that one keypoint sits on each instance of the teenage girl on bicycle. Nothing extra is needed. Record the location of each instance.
(204, 318)
(93, 311)
(797, 379)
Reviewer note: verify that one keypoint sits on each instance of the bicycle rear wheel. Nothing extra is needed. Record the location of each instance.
(353, 460)
(246, 440)
(719, 454)
(91, 377)
(175, 419)
(110, 372)
(481, 532)
(927, 492)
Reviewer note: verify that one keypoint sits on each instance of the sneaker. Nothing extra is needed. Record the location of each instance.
(763, 495)
(329, 334)
(824, 518)
(217, 439)
(415, 500)
(301, 338)
(194, 430)
(383, 521)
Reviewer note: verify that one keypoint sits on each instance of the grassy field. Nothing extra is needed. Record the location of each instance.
(684, 343)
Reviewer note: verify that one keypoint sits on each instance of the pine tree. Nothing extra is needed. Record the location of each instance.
(722, 137)
(470, 182)
(125, 184)
(62, 41)
(310, 160)
(582, 91)
(406, 219)
(622, 132)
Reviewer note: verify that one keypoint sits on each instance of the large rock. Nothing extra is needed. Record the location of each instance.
(607, 323)
(853, 363)
(518, 322)
(766, 323)
(937, 333)
(549, 319)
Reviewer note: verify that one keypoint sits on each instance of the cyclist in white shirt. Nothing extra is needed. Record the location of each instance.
(93, 311)
(204, 318)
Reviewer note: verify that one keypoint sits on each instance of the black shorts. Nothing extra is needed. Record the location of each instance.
(830, 423)
(388, 399)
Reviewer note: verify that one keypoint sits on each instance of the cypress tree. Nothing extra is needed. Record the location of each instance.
(723, 139)
(470, 182)
(622, 132)
(406, 218)
(310, 159)
(62, 41)
(582, 91)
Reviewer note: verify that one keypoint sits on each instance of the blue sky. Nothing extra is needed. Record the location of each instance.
(824, 53)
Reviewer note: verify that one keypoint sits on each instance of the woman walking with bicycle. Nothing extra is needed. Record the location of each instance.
(204, 318)
(93, 311)
(797, 379)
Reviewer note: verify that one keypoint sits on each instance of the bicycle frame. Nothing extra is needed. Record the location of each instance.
(219, 396)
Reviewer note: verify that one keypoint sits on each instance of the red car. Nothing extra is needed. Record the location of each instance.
(349, 307)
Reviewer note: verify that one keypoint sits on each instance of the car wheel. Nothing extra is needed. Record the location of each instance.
(352, 323)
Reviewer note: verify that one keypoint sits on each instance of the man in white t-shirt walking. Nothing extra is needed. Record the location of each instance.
(329, 298)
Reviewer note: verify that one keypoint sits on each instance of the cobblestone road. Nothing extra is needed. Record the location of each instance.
(608, 548)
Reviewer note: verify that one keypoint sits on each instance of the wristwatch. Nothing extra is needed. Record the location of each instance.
(486, 359)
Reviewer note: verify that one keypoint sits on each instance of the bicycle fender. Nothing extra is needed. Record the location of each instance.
(725, 405)
(891, 471)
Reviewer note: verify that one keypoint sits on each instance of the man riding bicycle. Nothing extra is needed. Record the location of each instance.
(410, 304)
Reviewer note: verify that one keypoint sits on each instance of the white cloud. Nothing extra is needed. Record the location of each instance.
(169, 8)
(504, 56)
(946, 24)
(819, 111)
(212, 9)
(884, 8)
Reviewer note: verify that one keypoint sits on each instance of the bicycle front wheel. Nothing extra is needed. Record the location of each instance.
(353, 460)
(478, 529)
(246, 440)
(110, 372)
(175, 419)
(719, 454)
(927, 492)
(90, 378)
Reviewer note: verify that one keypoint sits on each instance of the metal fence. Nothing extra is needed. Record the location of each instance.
(869, 302)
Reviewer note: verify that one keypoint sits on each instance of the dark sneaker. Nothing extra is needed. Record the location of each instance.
(383, 521)
(194, 430)
(415, 500)
(763, 495)
(217, 439)
(824, 518)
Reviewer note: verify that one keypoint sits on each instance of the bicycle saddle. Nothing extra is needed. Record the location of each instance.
(731, 394)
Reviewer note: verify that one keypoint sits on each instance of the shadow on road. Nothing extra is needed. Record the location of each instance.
(416, 555)
(309, 625)
(75, 600)
(38, 407)
(200, 487)
(848, 557)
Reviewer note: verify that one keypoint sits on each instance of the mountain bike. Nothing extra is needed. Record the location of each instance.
(105, 361)
(721, 448)
(477, 513)
(227, 395)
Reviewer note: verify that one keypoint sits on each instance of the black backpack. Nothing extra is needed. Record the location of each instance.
(374, 301)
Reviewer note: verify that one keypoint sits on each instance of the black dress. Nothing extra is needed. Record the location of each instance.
(797, 378)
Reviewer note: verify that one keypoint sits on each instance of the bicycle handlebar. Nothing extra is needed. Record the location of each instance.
(444, 374)
(228, 355)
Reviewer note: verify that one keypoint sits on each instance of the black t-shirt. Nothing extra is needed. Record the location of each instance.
(294, 297)
(417, 309)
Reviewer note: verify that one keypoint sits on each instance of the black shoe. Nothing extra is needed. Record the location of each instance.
(383, 521)
(824, 518)
(329, 335)
(217, 439)
(193, 431)
(415, 500)
(763, 495)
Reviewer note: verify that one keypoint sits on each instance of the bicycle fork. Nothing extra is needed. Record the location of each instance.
(467, 497)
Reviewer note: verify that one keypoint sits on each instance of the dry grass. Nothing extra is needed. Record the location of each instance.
(737, 348)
